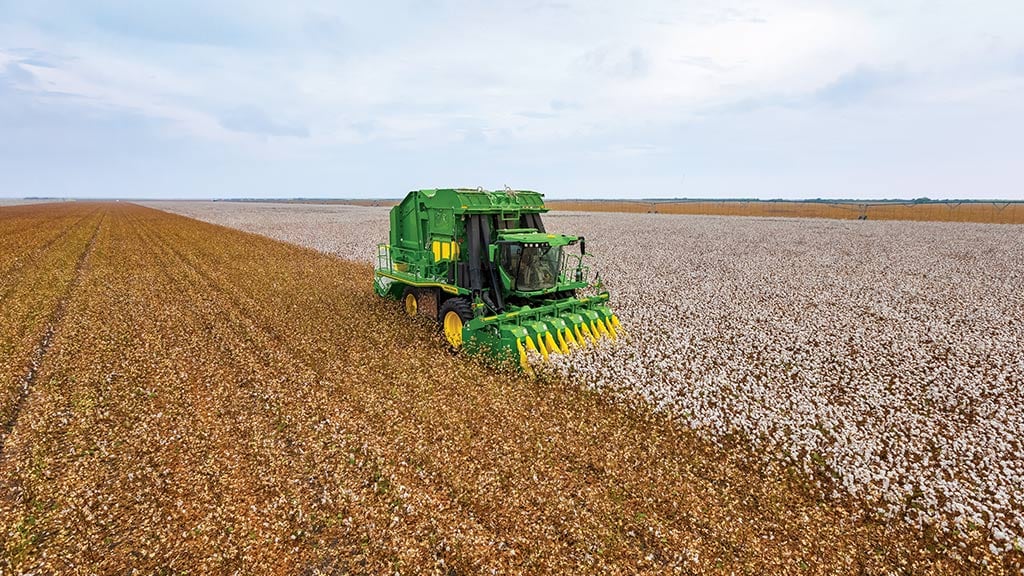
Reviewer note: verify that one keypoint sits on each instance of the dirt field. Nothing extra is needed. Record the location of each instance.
(184, 397)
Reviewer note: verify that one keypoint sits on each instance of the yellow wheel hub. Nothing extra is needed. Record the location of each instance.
(453, 328)
(410, 304)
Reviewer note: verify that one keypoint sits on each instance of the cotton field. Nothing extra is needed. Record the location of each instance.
(182, 397)
(888, 356)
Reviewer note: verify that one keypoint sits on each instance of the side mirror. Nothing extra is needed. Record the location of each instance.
(583, 246)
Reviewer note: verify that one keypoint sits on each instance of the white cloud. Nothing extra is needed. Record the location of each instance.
(306, 76)
(471, 68)
(621, 65)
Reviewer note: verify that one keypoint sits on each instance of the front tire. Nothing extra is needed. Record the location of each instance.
(454, 314)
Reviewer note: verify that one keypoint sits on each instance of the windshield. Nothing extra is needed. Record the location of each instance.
(532, 267)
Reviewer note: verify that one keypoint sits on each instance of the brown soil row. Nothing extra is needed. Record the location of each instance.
(42, 249)
(214, 401)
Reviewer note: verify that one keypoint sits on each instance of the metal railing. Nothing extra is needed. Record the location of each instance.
(394, 260)
(573, 269)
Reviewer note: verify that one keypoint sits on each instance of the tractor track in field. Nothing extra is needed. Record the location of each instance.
(46, 340)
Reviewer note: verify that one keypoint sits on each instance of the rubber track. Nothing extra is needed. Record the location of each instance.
(46, 340)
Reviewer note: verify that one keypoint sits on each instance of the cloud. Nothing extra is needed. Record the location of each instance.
(442, 65)
(703, 62)
(18, 74)
(618, 63)
(635, 150)
(559, 105)
(550, 85)
(32, 57)
(537, 115)
(855, 86)
(255, 121)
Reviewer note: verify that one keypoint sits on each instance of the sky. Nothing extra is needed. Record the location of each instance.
(591, 99)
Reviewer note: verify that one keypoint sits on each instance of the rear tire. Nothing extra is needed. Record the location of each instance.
(411, 300)
(454, 314)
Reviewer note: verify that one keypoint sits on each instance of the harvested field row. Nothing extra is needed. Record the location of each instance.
(41, 263)
(22, 240)
(213, 401)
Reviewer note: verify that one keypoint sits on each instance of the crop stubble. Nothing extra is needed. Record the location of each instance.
(215, 401)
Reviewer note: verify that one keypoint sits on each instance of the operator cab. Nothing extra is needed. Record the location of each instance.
(531, 267)
(532, 262)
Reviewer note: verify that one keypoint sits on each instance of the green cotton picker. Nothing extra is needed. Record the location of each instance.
(481, 264)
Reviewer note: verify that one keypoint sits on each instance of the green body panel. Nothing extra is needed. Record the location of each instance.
(428, 248)
(425, 215)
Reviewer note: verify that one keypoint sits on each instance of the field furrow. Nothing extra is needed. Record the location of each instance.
(41, 347)
(32, 309)
(21, 247)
